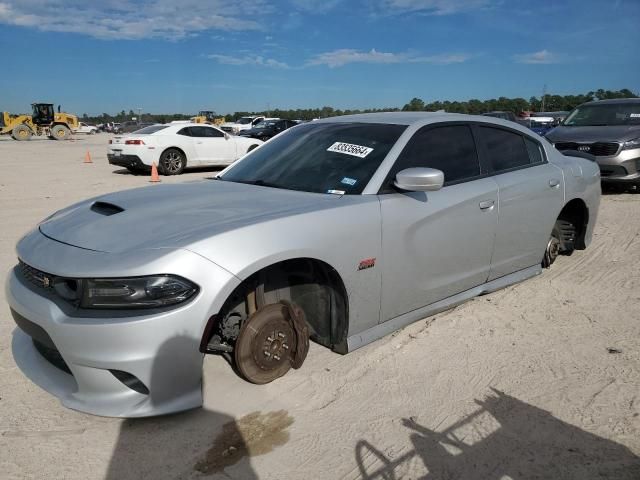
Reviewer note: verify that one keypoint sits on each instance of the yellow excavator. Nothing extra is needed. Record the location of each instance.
(43, 121)
(208, 116)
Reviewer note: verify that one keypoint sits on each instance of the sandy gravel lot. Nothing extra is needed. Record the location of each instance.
(541, 380)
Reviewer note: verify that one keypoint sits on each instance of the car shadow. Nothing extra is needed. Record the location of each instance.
(124, 171)
(182, 445)
(505, 438)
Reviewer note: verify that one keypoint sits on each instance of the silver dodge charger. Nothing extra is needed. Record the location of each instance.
(339, 231)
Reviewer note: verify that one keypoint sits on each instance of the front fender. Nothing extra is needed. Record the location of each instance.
(341, 237)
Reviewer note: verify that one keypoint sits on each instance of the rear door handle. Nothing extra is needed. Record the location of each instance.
(554, 183)
(486, 205)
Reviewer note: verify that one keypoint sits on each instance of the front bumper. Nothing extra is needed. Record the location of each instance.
(128, 161)
(623, 168)
(109, 352)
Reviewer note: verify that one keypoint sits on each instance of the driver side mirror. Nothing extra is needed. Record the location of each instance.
(226, 136)
(419, 179)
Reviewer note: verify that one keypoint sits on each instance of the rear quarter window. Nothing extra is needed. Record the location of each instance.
(535, 151)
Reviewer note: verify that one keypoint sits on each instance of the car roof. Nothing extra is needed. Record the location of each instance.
(614, 100)
(415, 118)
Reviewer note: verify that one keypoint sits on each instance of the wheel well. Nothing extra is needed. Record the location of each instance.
(252, 147)
(174, 148)
(577, 213)
(311, 284)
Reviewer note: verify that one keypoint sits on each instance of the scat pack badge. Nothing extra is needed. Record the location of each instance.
(367, 263)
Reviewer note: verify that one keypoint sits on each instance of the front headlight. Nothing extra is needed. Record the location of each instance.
(629, 144)
(136, 292)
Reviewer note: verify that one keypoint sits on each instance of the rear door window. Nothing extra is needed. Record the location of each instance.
(506, 150)
(450, 149)
(205, 132)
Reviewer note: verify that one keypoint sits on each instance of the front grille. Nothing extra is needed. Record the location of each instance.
(612, 171)
(67, 289)
(36, 277)
(599, 149)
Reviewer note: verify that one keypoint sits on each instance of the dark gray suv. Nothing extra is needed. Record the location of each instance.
(608, 129)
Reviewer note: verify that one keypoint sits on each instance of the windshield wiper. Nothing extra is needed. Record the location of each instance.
(259, 183)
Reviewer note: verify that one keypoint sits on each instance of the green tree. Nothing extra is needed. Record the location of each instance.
(415, 105)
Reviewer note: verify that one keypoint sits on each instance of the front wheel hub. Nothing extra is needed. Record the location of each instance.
(272, 344)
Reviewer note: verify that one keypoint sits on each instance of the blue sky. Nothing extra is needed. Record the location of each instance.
(249, 55)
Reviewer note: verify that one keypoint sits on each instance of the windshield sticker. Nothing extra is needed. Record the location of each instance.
(350, 149)
(348, 181)
(336, 192)
(635, 115)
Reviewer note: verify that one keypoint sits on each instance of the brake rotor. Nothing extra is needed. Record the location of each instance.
(273, 344)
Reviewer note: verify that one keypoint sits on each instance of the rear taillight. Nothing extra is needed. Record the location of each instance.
(134, 142)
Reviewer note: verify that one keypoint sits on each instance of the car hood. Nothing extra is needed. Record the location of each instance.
(617, 133)
(174, 216)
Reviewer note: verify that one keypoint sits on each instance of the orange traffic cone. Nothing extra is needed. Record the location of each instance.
(87, 157)
(155, 178)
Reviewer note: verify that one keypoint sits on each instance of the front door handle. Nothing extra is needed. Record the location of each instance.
(486, 205)
(554, 183)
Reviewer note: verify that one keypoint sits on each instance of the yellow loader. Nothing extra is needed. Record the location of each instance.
(208, 116)
(43, 121)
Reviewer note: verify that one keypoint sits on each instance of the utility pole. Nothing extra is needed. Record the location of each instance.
(544, 95)
(139, 114)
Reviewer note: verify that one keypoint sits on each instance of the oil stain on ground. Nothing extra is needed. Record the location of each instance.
(252, 435)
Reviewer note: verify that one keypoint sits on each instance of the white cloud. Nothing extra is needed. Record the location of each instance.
(442, 59)
(128, 19)
(541, 57)
(338, 58)
(433, 7)
(255, 60)
(315, 6)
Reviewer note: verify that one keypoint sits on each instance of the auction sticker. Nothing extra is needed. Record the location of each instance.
(350, 149)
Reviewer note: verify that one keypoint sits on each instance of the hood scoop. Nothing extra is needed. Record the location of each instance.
(106, 209)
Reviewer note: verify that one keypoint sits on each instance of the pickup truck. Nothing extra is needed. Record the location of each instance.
(243, 123)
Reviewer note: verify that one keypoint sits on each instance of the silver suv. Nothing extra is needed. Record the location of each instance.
(610, 130)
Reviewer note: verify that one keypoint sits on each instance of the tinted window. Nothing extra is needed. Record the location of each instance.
(505, 149)
(450, 149)
(185, 131)
(535, 151)
(205, 132)
(152, 129)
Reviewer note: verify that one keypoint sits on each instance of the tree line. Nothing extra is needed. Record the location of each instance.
(472, 106)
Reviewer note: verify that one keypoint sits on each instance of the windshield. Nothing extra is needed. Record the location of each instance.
(151, 129)
(244, 120)
(337, 158)
(592, 115)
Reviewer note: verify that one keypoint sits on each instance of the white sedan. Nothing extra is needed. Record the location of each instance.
(172, 147)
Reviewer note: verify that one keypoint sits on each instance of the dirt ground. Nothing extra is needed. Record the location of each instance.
(540, 380)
